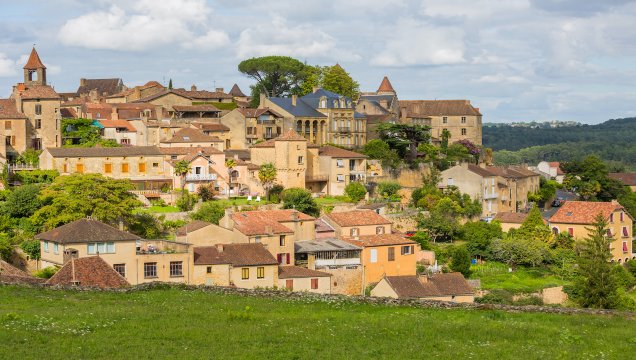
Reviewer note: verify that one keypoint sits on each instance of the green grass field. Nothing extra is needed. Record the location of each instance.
(522, 280)
(182, 324)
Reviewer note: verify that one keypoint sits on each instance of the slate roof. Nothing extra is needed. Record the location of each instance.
(317, 245)
(416, 108)
(190, 135)
(356, 218)
(433, 286)
(192, 226)
(628, 179)
(108, 86)
(34, 61)
(8, 110)
(302, 109)
(380, 240)
(290, 272)
(105, 151)
(313, 99)
(234, 254)
(90, 271)
(263, 222)
(236, 91)
(336, 152)
(85, 230)
(583, 212)
(39, 92)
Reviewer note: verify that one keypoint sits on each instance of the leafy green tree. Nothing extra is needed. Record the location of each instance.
(29, 157)
(596, 286)
(461, 261)
(514, 250)
(444, 138)
(206, 192)
(389, 190)
(301, 200)
(405, 138)
(146, 225)
(32, 248)
(376, 149)
(423, 239)
(186, 201)
(36, 176)
(337, 80)
(442, 223)
(267, 175)
(6, 249)
(590, 179)
(355, 191)
(312, 78)
(534, 227)
(479, 235)
(77, 196)
(181, 169)
(563, 241)
(210, 211)
(274, 76)
(82, 133)
(230, 164)
(23, 201)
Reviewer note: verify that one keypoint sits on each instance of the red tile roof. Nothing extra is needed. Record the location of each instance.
(356, 218)
(190, 135)
(183, 150)
(265, 222)
(290, 135)
(450, 284)
(8, 110)
(234, 254)
(85, 230)
(118, 124)
(289, 272)
(380, 240)
(415, 108)
(583, 212)
(510, 217)
(7, 269)
(336, 152)
(253, 113)
(192, 226)
(211, 127)
(195, 108)
(34, 61)
(385, 86)
(39, 92)
(90, 271)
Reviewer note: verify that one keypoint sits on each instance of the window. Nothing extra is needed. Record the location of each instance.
(289, 284)
(7, 140)
(625, 231)
(314, 284)
(374, 255)
(124, 141)
(571, 231)
(209, 270)
(120, 268)
(260, 272)
(408, 249)
(56, 248)
(463, 119)
(176, 268)
(339, 163)
(173, 157)
(282, 240)
(245, 273)
(354, 232)
(38, 123)
(101, 248)
(449, 182)
(621, 217)
(150, 270)
(300, 160)
(340, 178)
(555, 230)
(108, 168)
(155, 165)
(38, 109)
(79, 168)
(391, 254)
(124, 167)
(445, 120)
(142, 167)
(7, 125)
(257, 239)
(624, 246)
(65, 168)
(46, 246)
(91, 248)
(612, 217)
(463, 131)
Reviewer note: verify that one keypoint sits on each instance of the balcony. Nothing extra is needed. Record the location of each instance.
(488, 196)
(159, 247)
(337, 262)
(266, 122)
(200, 177)
(344, 130)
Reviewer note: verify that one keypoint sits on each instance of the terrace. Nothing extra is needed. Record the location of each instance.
(157, 247)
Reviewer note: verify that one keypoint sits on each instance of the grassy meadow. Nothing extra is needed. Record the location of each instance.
(495, 275)
(181, 324)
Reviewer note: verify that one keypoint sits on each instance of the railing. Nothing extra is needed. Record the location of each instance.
(16, 167)
(490, 196)
(145, 192)
(345, 130)
(266, 122)
(338, 262)
(200, 177)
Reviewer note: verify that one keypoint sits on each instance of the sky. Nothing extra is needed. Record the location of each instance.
(517, 60)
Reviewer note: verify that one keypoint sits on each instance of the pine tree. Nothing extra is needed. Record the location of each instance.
(596, 286)
(170, 84)
(534, 228)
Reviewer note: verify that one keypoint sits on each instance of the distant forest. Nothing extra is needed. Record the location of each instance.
(614, 141)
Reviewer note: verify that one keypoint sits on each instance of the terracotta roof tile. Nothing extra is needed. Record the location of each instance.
(415, 108)
(289, 272)
(39, 92)
(183, 150)
(264, 144)
(380, 240)
(234, 254)
(192, 226)
(195, 108)
(211, 127)
(68, 113)
(356, 218)
(7, 269)
(34, 61)
(105, 151)
(85, 230)
(511, 217)
(253, 113)
(8, 110)
(290, 135)
(90, 271)
(265, 222)
(336, 152)
(385, 86)
(190, 135)
(450, 284)
(122, 124)
(583, 212)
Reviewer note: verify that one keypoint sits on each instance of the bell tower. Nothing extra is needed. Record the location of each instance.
(34, 70)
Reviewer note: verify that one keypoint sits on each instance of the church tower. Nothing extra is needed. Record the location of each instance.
(34, 70)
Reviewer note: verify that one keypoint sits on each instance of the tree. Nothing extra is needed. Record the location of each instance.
(479, 235)
(355, 191)
(596, 286)
(337, 80)
(274, 75)
(389, 190)
(186, 201)
(533, 227)
(230, 164)
(6, 249)
(170, 84)
(376, 149)
(267, 175)
(518, 251)
(82, 133)
(442, 223)
(210, 211)
(301, 200)
(445, 137)
(23, 201)
(29, 157)
(206, 192)
(181, 169)
(590, 178)
(77, 196)
(461, 261)
(405, 138)
(32, 248)
(145, 225)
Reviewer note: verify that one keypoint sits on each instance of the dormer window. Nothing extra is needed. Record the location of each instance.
(323, 102)
(186, 138)
(335, 104)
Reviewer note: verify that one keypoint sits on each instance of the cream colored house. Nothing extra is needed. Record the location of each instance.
(551, 170)
(451, 287)
(288, 153)
(357, 223)
(575, 217)
(296, 278)
(342, 166)
(13, 125)
(250, 126)
(192, 137)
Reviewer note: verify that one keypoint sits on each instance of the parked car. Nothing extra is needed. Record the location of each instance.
(558, 202)
(409, 233)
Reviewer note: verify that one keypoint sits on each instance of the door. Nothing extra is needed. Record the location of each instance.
(289, 284)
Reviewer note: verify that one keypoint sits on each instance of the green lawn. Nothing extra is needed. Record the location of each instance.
(522, 280)
(331, 200)
(236, 201)
(181, 324)
(159, 209)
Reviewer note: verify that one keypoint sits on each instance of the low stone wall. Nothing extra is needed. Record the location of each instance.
(311, 297)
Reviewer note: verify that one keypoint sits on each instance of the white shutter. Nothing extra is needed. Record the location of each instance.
(374, 255)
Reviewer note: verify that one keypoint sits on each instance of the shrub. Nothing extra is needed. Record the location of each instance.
(423, 239)
(36, 176)
(209, 211)
(47, 272)
(31, 248)
(497, 296)
(355, 191)
(389, 190)
(275, 193)
(207, 192)
(461, 261)
(301, 200)
(157, 202)
(623, 277)
(186, 201)
(631, 266)
(5, 248)
(529, 300)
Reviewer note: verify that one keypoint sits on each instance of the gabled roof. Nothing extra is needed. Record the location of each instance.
(90, 271)
(85, 230)
(211, 127)
(7, 269)
(479, 170)
(380, 240)
(253, 113)
(105, 151)
(412, 286)
(317, 245)
(108, 86)
(264, 222)
(236, 91)
(233, 254)
(190, 135)
(121, 124)
(322, 226)
(290, 135)
(290, 272)
(336, 152)
(34, 61)
(415, 108)
(584, 212)
(385, 86)
(511, 217)
(356, 218)
(8, 110)
(38, 92)
(628, 179)
(192, 226)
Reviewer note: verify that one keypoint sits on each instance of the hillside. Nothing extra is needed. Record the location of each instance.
(179, 324)
(612, 140)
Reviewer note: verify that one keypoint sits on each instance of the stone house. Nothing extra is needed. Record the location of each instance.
(450, 287)
(357, 223)
(342, 166)
(121, 131)
(250, 126)
(136, 93)
(207, 166)
(628, 179)
(551, 170)
(295, 278)
(13, 125)
(192, 137)
(96, 89)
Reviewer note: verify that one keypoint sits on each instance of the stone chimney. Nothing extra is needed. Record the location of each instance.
(294, 99)
(219, 90)
(262, 98)
(137, 93)
(158, 112)
(294, 216)
(193, 88)
(82, 82)
(219, 247)
(113, 114)
(226, 221)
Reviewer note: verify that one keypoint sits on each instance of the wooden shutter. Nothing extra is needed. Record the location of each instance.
(289, 284)
(314, 284)
(288, 257)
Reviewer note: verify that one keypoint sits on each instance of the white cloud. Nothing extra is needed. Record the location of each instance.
(8, 67)
(147, 24)
(471, 9)
(412, 43)
(279, 38)
(502, 79)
